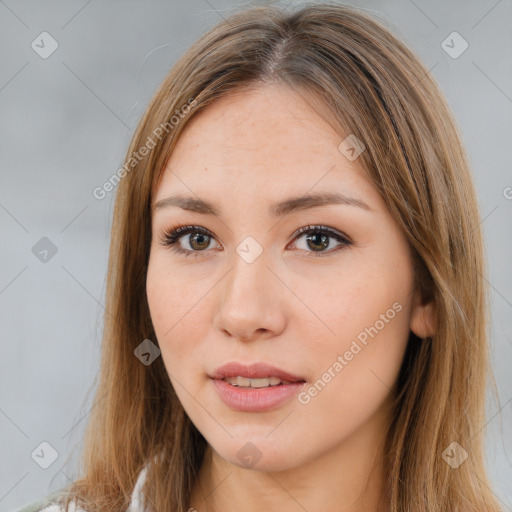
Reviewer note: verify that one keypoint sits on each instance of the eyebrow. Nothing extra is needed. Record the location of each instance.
(276, 210)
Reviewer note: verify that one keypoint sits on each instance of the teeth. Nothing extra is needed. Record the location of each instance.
(244, 382)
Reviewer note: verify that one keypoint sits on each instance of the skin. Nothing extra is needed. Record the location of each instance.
(298, 312)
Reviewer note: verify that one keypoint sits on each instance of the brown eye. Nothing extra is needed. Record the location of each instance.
(199, 239)
(318, 240)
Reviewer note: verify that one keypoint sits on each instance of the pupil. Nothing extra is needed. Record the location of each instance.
(198, 235)
(323, 240)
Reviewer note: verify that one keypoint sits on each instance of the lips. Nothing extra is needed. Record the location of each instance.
(254, 371)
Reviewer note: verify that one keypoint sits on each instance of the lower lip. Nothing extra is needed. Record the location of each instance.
(256, 399)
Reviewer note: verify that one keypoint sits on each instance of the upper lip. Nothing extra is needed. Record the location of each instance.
(253, 371)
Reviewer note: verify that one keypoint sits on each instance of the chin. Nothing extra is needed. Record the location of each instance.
(260, 454)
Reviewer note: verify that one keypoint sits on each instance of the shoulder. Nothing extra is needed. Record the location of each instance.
(41, 506)
(49, 504)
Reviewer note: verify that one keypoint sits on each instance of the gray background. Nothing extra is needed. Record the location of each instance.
(65, 123)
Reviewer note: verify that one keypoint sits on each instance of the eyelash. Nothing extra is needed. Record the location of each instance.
(170, 237)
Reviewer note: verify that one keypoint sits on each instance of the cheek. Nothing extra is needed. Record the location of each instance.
(347, 304)
(365, 320)
(170, 304)
(179, 312)
(356, 373)
(368, 344)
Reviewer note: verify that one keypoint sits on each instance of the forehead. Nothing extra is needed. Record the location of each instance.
(269, 139)
(265, 121)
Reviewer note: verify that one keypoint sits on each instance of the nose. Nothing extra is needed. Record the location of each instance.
(251, 301)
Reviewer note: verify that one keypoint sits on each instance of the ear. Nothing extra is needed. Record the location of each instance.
(423, 320)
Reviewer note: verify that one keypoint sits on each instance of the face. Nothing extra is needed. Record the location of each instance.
(333, 304)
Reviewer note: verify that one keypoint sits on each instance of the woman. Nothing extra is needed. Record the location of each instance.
(296, 304)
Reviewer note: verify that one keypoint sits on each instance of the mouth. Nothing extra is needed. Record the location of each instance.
(257, 387)
(245, 382)
(255, 375)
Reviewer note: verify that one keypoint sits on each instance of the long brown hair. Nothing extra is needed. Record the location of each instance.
(369, 84)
